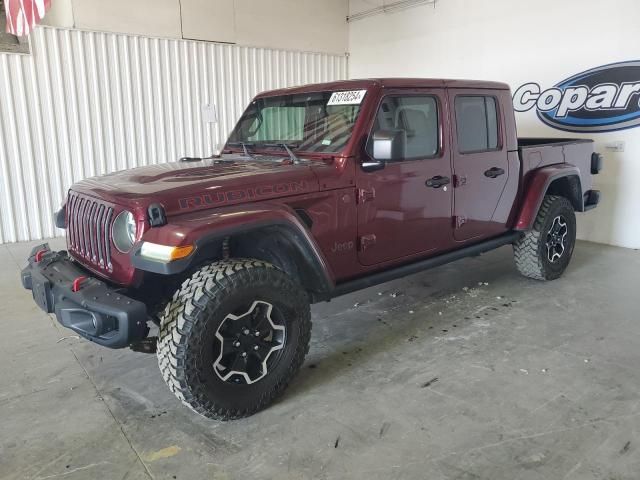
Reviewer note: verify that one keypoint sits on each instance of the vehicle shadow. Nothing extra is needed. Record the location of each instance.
(416, 309)
(442, 300)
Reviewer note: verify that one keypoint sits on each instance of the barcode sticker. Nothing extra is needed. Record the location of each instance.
(351, 97)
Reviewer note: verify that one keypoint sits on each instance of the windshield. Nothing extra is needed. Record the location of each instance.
(309, 122)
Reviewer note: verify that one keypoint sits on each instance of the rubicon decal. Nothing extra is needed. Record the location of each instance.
(602, 99)
(234, 196)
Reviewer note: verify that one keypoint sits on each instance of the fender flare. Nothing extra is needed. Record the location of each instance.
(537, 186)
(206, 230)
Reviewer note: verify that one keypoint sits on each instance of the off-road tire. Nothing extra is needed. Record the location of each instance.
(188, 327)
(530, 251)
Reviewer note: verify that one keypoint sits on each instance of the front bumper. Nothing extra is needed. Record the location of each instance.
(84, 304)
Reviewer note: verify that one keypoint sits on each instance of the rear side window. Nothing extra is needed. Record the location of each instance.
(417, 117)
(476, 123)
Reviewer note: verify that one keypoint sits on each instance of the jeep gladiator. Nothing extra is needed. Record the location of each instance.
(319, 191)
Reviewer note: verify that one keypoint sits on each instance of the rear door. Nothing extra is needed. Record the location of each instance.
(480, 162)
(399, 216)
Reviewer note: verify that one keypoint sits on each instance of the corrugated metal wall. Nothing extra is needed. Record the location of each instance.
(88, 103)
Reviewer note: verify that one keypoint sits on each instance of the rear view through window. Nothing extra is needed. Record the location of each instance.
(476, 123)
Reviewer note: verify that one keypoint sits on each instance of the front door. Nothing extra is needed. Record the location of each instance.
(404, 209)
(480, 162)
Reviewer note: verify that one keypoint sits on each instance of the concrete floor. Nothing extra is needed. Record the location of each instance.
(430, 377)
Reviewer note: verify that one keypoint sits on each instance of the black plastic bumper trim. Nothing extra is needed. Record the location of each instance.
(96, 311)
(591, 199)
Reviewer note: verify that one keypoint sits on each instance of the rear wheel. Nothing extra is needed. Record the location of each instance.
(544, 252)
(233, 336)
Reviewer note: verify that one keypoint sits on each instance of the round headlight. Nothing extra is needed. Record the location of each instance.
(123, 231)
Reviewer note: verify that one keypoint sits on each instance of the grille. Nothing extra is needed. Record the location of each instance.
(88, 229)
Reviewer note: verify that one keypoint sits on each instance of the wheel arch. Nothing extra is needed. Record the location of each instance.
(561, 180)
(272, 233)
(283, 245)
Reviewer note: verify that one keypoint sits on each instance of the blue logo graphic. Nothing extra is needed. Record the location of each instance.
(602, 99)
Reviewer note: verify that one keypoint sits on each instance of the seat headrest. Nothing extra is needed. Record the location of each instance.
(411, 119)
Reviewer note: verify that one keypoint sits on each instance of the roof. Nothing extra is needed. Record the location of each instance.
(388, 83)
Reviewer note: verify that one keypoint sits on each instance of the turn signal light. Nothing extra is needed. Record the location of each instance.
(165, 253)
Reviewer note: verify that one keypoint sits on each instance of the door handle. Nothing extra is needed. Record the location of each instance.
(494, 172)
(437, 181)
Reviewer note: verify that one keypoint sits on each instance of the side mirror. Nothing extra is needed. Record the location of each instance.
(388, 145)
(372, 165)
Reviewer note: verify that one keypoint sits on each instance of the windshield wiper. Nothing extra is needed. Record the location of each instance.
(200, 159)
(244, 147)
(294, 158)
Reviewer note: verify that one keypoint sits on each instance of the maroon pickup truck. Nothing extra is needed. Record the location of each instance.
(319, 191)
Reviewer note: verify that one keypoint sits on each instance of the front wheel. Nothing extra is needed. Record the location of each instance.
(233, 336)
(544, 252)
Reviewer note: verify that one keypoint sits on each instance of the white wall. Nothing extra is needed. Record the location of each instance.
(544, 41)
(306, 25)
(155, 18)
(60, 14)
(88, 103)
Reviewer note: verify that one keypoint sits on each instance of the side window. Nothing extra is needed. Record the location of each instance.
(417, 117)
(476, 123)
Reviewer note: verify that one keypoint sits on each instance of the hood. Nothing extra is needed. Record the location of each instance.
(189, 186)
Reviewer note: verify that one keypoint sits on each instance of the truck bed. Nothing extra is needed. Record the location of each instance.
(539, 152)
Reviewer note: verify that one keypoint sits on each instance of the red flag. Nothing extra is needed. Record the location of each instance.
(23, 15)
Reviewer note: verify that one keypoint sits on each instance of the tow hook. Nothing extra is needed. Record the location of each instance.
(40, 254)
(76, 283)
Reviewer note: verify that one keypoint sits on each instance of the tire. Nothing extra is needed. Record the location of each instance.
(533, 257)
(201, 324)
